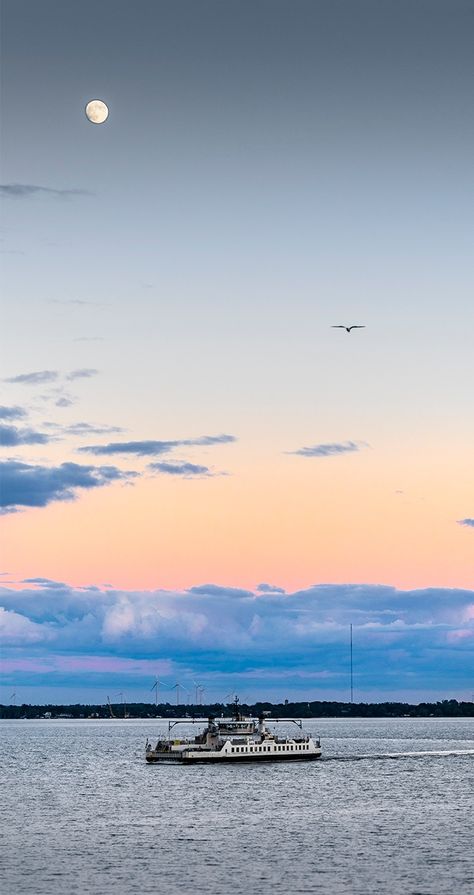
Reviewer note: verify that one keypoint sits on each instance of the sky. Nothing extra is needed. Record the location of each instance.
(200, 477)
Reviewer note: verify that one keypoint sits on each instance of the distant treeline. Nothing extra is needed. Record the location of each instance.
(447, 708)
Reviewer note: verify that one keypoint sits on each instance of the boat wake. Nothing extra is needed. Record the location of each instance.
(381, 756)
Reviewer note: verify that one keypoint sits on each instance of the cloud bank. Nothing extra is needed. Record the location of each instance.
(264, 644)
(270, 589)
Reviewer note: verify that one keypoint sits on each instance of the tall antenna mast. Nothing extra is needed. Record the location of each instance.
(352, 674)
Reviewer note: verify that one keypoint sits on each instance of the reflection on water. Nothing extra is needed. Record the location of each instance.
(82, 812)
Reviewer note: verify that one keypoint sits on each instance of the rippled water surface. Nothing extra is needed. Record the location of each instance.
(388, 810)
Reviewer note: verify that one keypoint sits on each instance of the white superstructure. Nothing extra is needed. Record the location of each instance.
(234, 739)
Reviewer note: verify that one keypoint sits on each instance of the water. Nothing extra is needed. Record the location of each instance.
(388, 810)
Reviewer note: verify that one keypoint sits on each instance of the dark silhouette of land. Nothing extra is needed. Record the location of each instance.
(447, 708)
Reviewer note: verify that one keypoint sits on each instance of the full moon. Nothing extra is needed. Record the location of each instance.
(96, 111)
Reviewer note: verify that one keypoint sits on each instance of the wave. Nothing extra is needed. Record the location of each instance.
(380, 756)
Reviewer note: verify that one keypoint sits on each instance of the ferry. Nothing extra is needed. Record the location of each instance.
(235, 739)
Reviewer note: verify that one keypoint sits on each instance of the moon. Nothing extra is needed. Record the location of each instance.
(96, 111)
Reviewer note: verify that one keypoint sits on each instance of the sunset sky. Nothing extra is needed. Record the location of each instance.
(200, 477)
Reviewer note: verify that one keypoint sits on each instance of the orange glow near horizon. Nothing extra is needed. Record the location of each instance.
(329, 520)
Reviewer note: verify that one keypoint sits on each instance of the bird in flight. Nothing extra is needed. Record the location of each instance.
(348, 328)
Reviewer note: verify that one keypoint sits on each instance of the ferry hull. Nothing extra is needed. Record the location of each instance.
(180, 758)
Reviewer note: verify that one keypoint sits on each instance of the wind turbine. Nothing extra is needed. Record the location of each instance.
(122, 695)
(202, 690)
(13, 697)
(196, 692)
(177, 687)
(156, 686)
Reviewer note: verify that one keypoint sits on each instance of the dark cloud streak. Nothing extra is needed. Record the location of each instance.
(84, 373)
(25, 485)
(82, 429)
(185, 470)
(329, 450)
(38, 377)
(12, 413)
(27, 190)
(154, 448)
(11, 436)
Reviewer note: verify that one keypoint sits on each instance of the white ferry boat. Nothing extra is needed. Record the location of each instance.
(234, 739)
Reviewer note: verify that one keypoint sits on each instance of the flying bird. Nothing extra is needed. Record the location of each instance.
(348, 328)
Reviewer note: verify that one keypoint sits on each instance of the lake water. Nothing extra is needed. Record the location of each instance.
(83, 813)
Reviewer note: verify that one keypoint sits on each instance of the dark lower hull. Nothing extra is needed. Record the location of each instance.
(234, 759)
